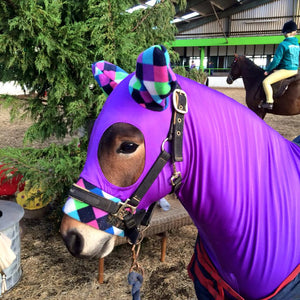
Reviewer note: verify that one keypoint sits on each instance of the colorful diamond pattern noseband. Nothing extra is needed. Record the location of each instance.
(88, 214)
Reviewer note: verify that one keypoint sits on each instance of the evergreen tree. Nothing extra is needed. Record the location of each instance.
(47, 46)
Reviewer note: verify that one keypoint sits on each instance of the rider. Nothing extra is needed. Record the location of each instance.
(285, 60)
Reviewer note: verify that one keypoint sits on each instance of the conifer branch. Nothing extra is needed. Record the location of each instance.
(144, 18)
(10, 3)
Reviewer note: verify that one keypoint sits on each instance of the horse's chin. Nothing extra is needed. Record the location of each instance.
(103, 249)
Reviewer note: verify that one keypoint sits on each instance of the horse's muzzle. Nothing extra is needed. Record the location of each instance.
(74, 242)
(229, 79)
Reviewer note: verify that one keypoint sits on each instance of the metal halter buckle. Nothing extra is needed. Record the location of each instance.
(175, 176)
(124, 209)
(180, 109)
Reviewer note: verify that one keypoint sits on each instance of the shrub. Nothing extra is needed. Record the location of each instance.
(48, 46)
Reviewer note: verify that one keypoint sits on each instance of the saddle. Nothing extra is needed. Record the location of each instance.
(280, 87)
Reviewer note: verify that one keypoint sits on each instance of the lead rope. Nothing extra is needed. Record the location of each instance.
(136, 273)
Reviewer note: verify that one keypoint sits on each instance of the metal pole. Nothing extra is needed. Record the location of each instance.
(202, 55)
(212, 5)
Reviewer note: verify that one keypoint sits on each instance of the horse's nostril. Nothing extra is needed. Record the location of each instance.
(74, 243)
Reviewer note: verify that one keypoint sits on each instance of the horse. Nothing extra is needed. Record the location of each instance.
(286, 92)
(238, 179)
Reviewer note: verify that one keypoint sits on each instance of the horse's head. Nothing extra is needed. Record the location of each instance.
(121, 157)
(235, 69)
(126, 141)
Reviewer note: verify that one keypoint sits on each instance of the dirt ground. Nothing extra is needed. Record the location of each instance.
(50, 272)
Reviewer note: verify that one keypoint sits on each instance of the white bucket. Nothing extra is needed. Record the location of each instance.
(10, 215)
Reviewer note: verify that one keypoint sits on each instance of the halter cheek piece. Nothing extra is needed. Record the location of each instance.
(125, 215)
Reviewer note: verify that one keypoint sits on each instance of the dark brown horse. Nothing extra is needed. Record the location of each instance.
(286, 92)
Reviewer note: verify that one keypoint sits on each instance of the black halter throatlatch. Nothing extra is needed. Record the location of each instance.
(124, 215)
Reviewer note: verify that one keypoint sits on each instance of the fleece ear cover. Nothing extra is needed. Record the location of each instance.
(152, 82)
(154, 79)
(107, 75)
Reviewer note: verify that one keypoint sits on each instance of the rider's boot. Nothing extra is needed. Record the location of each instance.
(267, 105)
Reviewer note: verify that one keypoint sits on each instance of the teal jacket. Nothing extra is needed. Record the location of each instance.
(286, 55)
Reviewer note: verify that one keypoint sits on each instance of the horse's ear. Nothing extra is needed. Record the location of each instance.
(107, 75)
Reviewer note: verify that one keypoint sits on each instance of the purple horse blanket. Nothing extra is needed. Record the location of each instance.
(241, 182)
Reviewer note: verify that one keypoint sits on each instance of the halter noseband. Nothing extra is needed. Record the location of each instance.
(125, 215)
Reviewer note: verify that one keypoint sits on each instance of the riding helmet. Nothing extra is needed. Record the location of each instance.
(289, 26)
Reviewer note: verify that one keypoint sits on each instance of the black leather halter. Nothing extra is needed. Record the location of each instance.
(125, 215)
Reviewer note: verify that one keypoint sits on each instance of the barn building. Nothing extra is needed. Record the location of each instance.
(210, 32)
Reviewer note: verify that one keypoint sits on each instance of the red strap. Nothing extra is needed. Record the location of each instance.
(209, 267)
(289, 279)
(222, 285)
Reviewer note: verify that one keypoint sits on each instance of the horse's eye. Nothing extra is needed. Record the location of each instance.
(127, 147)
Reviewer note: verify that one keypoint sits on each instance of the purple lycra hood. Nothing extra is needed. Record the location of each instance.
(120, 107)
(141, 100)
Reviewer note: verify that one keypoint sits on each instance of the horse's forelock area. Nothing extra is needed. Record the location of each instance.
(50, 272)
